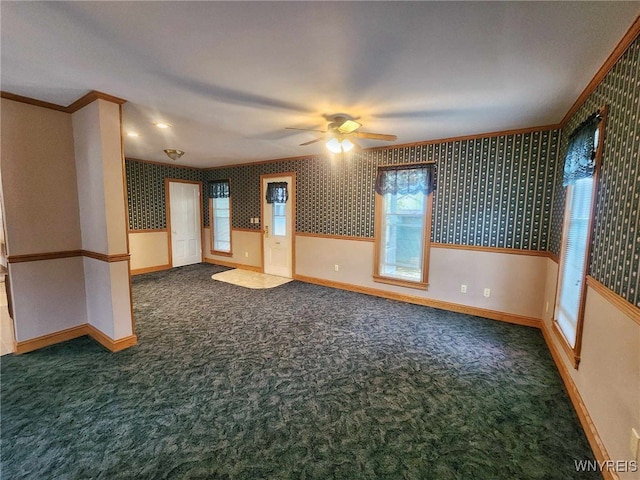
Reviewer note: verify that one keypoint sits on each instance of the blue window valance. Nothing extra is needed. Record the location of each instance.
(277, 192)
(580, 161)
(406, 179)
(219, 189)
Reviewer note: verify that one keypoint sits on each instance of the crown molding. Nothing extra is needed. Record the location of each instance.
(72, 108)
(622, 46)
(90, 97)
(155, 162)
(33, 101)
(501, 133)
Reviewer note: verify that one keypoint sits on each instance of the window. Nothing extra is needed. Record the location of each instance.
(581, 168)
(277, 196)
(220, 216)
(279, 219)
(403, 225)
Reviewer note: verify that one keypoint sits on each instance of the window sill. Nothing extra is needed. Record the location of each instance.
(401, 283)
(222, 254)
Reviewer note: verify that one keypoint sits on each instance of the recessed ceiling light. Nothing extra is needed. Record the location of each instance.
(162, 125)
(133, 134)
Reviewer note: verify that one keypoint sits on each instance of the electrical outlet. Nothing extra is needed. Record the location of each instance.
(463, 289)
(634, 444)
(246, 254)
(487, 292)
(336, 267)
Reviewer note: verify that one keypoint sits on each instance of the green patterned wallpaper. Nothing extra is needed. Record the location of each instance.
(615, 256)
(496, 191)
(145, 192)
(492, 191)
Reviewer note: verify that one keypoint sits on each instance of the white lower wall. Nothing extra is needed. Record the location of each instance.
(516, 281)
(246, 247)
(98, 288)
(48, 296)
(151, 249)
(608, 377)
(148, 249)
(108, 299)
(122, 320)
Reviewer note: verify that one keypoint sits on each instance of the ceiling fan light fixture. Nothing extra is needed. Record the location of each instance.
(334, 145)
(339, 146)
(340, 129)
(346, 145)
(173, 154)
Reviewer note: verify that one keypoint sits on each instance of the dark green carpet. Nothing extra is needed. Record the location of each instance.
(299, 381)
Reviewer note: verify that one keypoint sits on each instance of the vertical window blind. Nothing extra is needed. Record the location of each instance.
(580, 164)
(574, 258)
(220, 194)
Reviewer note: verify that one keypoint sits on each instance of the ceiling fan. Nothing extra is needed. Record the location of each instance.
(341, 134)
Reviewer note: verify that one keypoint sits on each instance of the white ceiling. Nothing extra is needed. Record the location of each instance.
(230, 76)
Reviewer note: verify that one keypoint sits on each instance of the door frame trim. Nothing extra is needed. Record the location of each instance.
(167, 212)
(292, 197)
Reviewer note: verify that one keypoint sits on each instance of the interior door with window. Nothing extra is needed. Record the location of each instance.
(184, 215)
(278, 207)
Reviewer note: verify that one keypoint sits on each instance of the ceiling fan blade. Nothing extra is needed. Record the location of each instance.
(305, 129)
(312, 141)
(375, 136)
(349, 126)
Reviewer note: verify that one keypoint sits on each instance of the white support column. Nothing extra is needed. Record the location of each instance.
(103, 222)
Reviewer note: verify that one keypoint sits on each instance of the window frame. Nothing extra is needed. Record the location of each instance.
(573, 352)
(423, 283)
(211, 225)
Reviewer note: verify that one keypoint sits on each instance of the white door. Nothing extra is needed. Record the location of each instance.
(277, 230)
(184, 210)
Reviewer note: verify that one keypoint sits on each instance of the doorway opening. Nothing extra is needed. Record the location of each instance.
(184, 221)
(278, 193)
